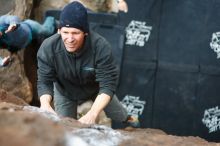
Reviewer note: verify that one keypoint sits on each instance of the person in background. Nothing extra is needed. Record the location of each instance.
(16, 34)
(76, 65)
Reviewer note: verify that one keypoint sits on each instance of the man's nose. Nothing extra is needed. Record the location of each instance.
(70, 37)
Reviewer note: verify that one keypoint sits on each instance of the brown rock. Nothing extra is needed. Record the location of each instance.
(25, 129)
(100, 5)
(45, 5)
(6, 6)
(14, 80)
(9, 98)
(27, 126)
(155, 137)
(22, 8)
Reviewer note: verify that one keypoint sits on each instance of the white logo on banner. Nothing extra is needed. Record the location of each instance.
(133, 105)
(215, 43)
(137, 33)
(211, 119)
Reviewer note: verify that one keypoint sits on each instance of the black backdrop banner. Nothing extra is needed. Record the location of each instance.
(138, 72)
(171, 66)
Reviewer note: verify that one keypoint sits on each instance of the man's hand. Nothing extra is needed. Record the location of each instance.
(99, 104)
(11, 27)
(45, 101)
(6, 61)
(89, 118)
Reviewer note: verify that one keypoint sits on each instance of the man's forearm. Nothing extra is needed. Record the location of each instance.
(45, 101)
(100, 103)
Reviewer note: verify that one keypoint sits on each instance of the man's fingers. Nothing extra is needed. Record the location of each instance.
(11, 28)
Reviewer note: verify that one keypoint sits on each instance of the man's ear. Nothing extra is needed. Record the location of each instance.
(58, 31)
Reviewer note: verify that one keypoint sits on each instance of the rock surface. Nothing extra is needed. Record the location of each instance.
(14, 80)
(22, 128)
(10, 98)
(31, 126)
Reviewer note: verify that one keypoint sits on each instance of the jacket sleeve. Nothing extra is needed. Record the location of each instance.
(46, 70)
(107, 71)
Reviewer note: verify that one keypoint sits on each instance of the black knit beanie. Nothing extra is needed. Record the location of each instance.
(74, 15)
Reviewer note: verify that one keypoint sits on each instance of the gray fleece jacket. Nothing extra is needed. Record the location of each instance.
(80, 75)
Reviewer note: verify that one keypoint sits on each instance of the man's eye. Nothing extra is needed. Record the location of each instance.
(76, 33)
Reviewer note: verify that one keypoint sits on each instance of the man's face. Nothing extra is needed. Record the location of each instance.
(73, 38)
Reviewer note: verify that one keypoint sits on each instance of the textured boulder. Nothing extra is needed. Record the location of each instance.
(10, 98)
(22, 128)
(14, 80)
(31, 126)
(6, 6)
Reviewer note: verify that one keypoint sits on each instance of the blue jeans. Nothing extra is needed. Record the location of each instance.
(68, 108)
(41, 30)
